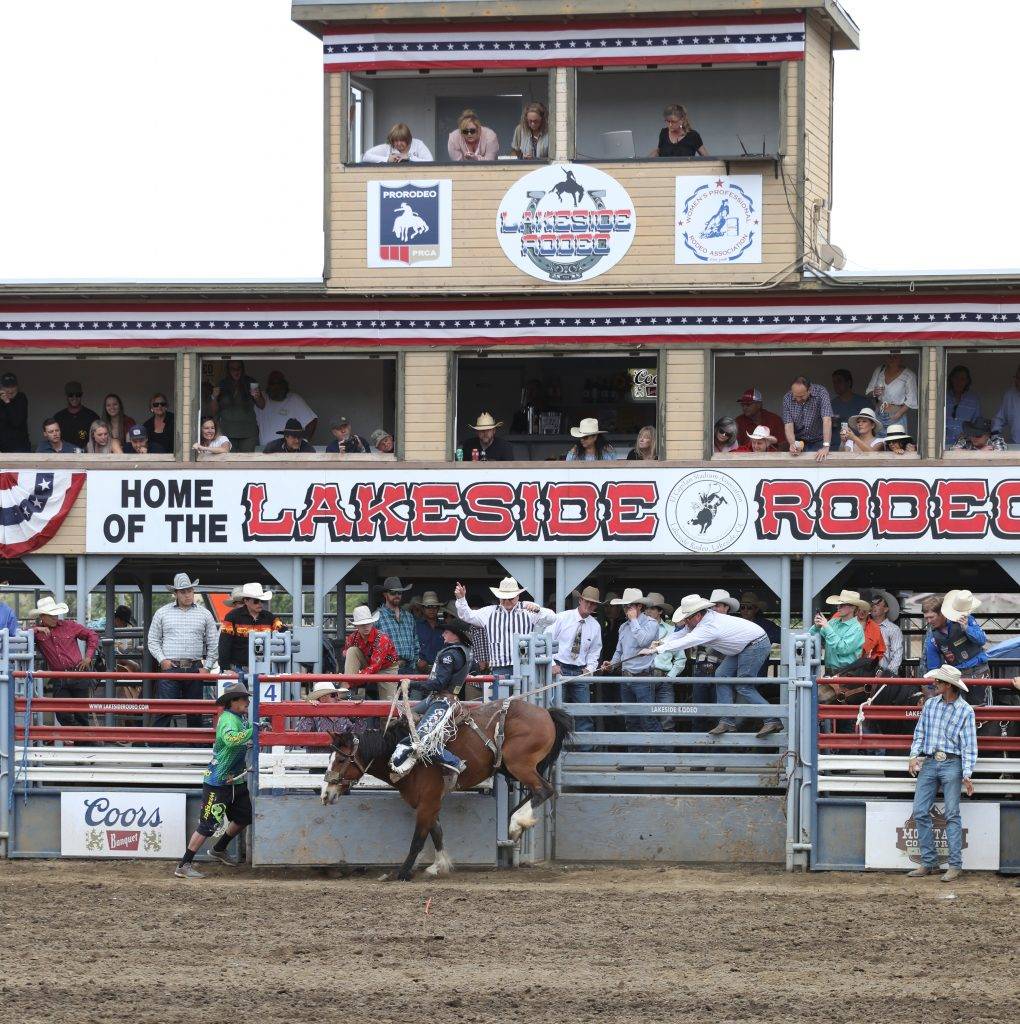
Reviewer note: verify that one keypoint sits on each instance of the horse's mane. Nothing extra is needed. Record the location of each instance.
(379, 745)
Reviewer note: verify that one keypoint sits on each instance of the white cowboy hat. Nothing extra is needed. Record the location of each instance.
(948, 674)
(723, 597)
(485, 422)
(588, 427)
(254, 591)
(182, 582)
(48, 606)
(896, 432)
(894, 605)
(631, 595)
(364, 616)
(866, 413)
(508, 587)
(430, 599)
(958, 603)
(848, 597)
(690, 605)
(761, 433)
(320, 689)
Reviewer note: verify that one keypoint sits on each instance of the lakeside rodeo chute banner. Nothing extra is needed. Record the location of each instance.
(803, 509)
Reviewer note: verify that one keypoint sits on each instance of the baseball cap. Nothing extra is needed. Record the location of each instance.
(339, 421)
(137, 433)
(750, 395)
(73, 387)
(8, 380)
(275, 376)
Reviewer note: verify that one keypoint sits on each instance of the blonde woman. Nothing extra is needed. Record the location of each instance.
(644, 446)
(860, 434)
(678, 137)
(400, 147)
(531, 136)
(470, 140)
(101, 442)
(211, 442)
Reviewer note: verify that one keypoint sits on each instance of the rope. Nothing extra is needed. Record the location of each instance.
(859, 724)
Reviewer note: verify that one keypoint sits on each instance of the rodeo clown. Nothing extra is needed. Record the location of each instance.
(226, 805)
(451, 667)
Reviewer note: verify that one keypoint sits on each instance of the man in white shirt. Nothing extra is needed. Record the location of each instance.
(743, 644)
(282, 404)
(579, 636)
(503, 621)
(885, 609)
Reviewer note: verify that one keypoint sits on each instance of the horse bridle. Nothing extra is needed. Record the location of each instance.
(349, 759)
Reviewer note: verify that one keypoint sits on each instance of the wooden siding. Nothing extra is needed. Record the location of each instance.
(479, 265)
(817, 131)
(426, 405)
(685, 403)
(70, 538)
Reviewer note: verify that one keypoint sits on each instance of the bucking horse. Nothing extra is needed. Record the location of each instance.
(519, 740)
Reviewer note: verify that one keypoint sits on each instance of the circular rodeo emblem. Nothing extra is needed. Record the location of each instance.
(566, 223)
(718, 220)
(706, 511)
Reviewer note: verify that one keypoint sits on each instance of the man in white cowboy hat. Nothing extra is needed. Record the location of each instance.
(885, 610)
(502, 621)
(399, 624)
(429, 630)
(252, 615)
(57, 638)
(592, 445)
(943, 753)
(632, 658)
(182, 639)
(226, 806)
(328, 693)
(842, 634)
(745, 649)
(954, 638)
(368, 651)
(489, 447)
(759, 440)
(723, 603)
(578, 636)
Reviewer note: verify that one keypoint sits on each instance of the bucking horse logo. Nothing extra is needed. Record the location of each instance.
(708, 508)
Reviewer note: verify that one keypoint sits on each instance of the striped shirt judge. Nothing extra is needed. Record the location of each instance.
(501, 626)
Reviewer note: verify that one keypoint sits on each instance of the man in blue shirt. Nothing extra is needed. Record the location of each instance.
(845, 404)
(954, 638)
(1007, 419)
(53, 442)
(943, 753)
(637, 632)
(430, 631)
(8, 620)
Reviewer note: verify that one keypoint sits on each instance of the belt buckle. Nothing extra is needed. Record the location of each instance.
(940, 755)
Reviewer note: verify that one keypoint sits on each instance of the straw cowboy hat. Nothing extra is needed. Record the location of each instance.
(485, 422)
(588, 427)
(183, 582)
(430, 599)
(590, 594)
(690, 605)
(751, 599)
(458, 626)
(508, 587)
(897, 432)
(867, 414)
(948, 674)
(253, 591)
(321, 689)
(231, 692)
(958, 603)
(364, 616)
(656, 600)
(894, 605)
(723, 597)
(631, 595)
(848, 597)
(48, 606)
(761, 433)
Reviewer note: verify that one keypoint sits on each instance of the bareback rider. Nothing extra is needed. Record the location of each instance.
(451, 668)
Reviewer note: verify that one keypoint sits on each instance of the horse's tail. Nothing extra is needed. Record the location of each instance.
(563, 723)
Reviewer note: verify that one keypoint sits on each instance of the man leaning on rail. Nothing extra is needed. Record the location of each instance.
(943, 753)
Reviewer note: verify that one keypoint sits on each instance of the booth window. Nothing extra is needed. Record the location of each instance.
(431, 104)
(620, 112)
(771, 373)
(981, 384)
(539, 397)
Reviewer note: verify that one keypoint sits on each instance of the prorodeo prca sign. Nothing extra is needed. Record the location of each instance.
(565, 223)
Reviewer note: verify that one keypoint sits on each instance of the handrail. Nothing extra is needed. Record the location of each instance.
(906, 681)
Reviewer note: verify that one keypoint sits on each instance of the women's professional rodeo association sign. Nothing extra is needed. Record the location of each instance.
(566, 223)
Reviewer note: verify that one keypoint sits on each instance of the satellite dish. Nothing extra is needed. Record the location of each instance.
(831, 256)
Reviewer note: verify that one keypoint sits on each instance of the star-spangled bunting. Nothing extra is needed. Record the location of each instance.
(32, 507)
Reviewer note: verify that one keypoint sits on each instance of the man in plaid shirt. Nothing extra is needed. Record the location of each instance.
(943, 753)
(369, 651)
(807, 418)
(399, 624)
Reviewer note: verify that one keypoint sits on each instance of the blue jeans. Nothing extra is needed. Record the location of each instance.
(747, 664)
(640, 693)
(664, 692)
(179, 689)
(577, 692)
(702, 693)
(948, 774)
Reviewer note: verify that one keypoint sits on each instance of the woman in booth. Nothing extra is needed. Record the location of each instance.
(861, 433)
(101, 441)
(678, 137)
(159, 427)
(400, 147)
(531, 136)
(592, 445)
(644, 446)
(894, 388)
(724, 435)
(470, 140)
(211, 442)
(116, 420)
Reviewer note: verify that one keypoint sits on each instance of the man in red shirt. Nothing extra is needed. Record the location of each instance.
(753, 415)
(57, 639)
(369, 651)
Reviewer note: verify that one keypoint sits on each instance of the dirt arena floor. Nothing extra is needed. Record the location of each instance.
(113, 942)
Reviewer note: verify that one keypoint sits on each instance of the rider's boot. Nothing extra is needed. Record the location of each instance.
(402, 761)
(452, 766)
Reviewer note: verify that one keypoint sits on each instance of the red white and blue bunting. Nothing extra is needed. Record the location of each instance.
(577, 321)
(579, 43)
(32, 507)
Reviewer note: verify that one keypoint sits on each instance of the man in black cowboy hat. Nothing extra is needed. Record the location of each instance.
(292, 441)
(399, 624)
(443, 686)
(226, 805)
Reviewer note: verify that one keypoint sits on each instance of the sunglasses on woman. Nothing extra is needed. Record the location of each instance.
(469, 131)
(159, 405)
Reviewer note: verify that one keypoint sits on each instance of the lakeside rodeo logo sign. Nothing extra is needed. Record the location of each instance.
(122, 824)
(620, 509)
(566, 223)
(409, 224)
(718, 219)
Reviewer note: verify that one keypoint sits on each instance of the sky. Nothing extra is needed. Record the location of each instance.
(145, 145)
